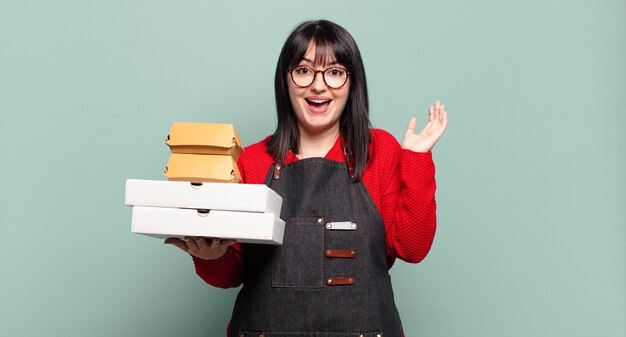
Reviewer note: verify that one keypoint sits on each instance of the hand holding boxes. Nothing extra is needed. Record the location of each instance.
(202, 200)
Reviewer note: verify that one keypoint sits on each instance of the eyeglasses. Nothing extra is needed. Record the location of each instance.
(334, 77)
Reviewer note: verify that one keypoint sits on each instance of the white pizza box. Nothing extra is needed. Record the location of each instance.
(248, 227)
(220, 196)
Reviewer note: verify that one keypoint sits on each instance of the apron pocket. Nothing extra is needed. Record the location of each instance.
(299, 261)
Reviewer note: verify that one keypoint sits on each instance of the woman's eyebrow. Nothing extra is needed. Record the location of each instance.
(313, 62)
(307, 60)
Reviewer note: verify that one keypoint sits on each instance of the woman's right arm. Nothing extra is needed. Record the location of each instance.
(218, 262)
(223, 272)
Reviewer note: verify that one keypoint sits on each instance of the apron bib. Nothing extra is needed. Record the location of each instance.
(330, 276)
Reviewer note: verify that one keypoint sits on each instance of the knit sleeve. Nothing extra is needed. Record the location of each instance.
(407, 201)
(224, 272)
(416, 217)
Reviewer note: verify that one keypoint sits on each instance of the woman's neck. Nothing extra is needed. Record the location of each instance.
(317, 144)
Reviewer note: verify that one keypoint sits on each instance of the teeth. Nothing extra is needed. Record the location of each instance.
(318, 101)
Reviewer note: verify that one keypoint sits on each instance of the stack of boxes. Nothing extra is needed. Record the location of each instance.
(203, 153)
(202, 196)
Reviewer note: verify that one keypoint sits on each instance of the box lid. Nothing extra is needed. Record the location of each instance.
(204, 138)
(197, 195)
(247, 227)
(202, 168)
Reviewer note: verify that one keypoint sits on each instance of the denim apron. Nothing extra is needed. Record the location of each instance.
(330, 276)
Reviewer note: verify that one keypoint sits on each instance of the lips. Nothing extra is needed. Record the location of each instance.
(318, 104)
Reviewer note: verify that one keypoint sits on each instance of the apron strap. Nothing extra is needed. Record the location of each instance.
(278, 165)
(278, 168)
(349, 159)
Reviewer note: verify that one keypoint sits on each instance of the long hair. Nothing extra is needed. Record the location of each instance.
(330, 40)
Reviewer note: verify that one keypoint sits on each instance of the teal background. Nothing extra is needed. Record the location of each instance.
(531, 183)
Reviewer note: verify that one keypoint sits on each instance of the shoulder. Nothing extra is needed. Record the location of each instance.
(384, 155)
(383, 144)
(257, 149)
(382, 134)
(382, 165)
(255, 161)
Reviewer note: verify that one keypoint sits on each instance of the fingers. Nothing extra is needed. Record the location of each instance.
(192, 245)
(433, 116)
(434, 112)
(410, 129)
(178, 243)
(437, 121)
(431, 113)
(202, 243)
(201, 247)
(226, 243)
(219, 244)
(437, 113)
(438, 109)
(444, 117)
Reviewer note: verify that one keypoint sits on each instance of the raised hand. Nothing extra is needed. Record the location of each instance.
(430, 134)
(200, 248)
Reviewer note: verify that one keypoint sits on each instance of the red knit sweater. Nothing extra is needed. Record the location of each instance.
(401, 183)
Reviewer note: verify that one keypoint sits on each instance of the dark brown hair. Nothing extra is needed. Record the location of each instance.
(330, 40)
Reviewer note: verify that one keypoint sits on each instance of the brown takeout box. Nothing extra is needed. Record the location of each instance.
(204, 138)
(202, 168)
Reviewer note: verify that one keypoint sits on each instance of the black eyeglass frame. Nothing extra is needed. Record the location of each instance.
(323, 72)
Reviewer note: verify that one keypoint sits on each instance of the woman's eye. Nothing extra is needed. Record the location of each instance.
(302, 70)
(336, 72)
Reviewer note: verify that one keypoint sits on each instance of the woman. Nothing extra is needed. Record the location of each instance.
(354, 200)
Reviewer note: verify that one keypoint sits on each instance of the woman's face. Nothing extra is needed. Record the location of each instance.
(318, 107)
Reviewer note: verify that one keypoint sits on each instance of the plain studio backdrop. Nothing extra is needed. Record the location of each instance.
(531, 171)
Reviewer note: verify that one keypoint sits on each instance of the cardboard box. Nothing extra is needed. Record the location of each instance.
(248, 227)
(219, 196)
(202, 168)
(202, 138)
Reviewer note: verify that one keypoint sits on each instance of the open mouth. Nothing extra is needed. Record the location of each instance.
(318, 105)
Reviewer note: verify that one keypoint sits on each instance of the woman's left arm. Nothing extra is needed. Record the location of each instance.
(408, 203)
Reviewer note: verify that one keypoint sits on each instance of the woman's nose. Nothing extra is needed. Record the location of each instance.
(318, 84)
